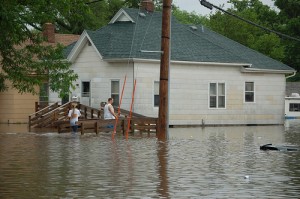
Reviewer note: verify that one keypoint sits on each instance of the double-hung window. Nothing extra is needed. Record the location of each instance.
(115, 91)
(217, 95)
(249, 92)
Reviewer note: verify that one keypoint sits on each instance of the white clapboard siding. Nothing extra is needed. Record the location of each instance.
(189, 90)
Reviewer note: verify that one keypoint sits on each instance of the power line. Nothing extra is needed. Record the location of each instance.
(210, 6)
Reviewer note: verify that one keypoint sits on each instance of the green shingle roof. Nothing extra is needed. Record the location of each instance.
(124, 39)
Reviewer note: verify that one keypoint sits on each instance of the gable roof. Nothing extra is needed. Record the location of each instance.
(132, 32)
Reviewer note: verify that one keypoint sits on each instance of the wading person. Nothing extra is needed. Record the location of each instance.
(109, 112)
(73, 115)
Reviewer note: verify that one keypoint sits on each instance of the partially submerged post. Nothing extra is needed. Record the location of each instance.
(163, 116)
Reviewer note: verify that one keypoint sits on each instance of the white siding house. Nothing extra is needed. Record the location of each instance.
(213, 80)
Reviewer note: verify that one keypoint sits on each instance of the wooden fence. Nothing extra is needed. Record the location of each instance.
(48, 116)
(91, 120)
(143, 124)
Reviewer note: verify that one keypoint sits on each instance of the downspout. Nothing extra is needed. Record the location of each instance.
(292, 75)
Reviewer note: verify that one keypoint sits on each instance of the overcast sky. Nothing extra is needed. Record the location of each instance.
(194, 5)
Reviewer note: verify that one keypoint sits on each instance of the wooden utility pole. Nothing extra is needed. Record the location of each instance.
(163, 115)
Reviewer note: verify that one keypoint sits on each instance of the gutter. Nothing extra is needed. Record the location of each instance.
(179, 62)
(257, 70)
(292, 75)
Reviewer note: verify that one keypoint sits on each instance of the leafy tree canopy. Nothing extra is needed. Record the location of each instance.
(25, 61)
(246, 34)
(290, 24)
(189, 18)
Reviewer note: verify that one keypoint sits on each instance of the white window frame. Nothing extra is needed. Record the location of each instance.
(217, 95)
(116, 101)
(155, 94)
(249, 92)
(85, 94)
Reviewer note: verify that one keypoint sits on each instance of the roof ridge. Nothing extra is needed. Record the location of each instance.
(114, 41)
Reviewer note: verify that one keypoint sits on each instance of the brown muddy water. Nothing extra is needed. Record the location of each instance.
(210, 162)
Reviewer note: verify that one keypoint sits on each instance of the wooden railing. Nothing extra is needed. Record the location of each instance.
(143, 124)
(57, 116)
(48, 115)
(88, 112)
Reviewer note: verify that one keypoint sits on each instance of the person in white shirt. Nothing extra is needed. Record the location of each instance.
(109, 112)
(73, 115)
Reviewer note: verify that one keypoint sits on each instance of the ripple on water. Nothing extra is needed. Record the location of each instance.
(207, 163)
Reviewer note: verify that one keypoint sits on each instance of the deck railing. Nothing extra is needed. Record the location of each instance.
(91, 119)
(143, 124)
(48, 115)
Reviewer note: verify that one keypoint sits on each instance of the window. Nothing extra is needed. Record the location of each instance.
(44, 95)
(44, 92)
(217, 95)
(156, 93)
(115, 91)
(85, 89)
(294, 107)
(249, 91)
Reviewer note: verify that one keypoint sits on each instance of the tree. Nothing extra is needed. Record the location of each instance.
(290, 24)
(25, 61)
(249, 35)
(69, 16)
(189, 18)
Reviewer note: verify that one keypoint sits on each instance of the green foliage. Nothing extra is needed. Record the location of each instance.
(290, 24)
(25, 62)
(189, 18)
(269, 44)
(249, 35)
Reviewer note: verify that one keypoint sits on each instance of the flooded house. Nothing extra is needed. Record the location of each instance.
(212, 81)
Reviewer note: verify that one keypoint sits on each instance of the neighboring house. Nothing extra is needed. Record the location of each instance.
(16, 107)
(213, 80)
(292, 100)
(292, 87)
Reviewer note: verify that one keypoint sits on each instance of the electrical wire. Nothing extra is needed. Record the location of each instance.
(209, 6)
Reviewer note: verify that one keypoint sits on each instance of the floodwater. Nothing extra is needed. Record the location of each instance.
(210, 162)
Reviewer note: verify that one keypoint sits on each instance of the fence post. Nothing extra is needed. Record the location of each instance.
(97, 127)
(132, 125)
(123, 128)
(36, 106)
(82, 128)
(29, 122)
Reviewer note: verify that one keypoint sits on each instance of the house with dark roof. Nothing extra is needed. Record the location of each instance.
(213, 80)
(15, 106)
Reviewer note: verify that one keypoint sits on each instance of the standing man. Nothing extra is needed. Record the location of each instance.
(109, 112)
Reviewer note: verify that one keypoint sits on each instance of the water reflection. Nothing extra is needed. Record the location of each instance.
(209, 162)
(162, 154)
